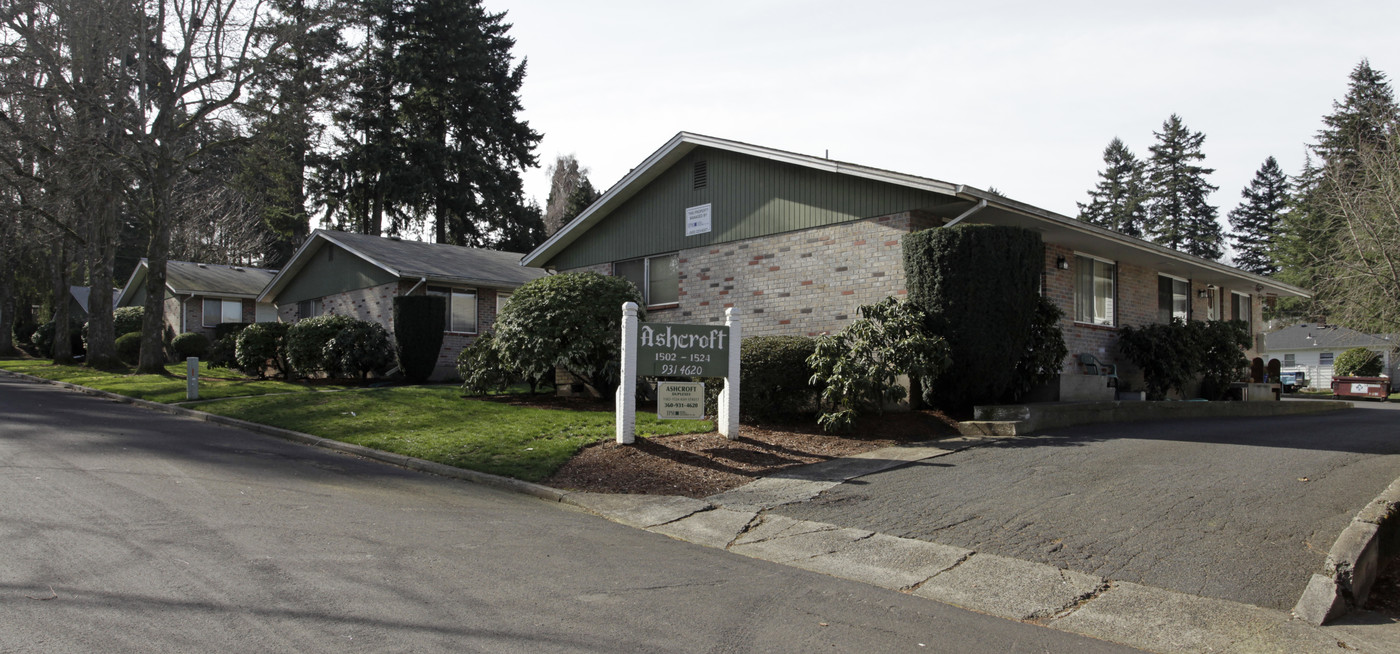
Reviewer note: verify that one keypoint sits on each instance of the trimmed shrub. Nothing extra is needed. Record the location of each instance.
(774, 377)
(190, 344)
(858, 368)
(418, 326)
(42, 338)
(978, 286)
(306, 343)
(359, 349)
(260, 346)
(1172, 354)
(223, 352)
(1220, 345)
(127, 319)
(1358, 362)
(129, 347)
(570, 320)
(483, 369)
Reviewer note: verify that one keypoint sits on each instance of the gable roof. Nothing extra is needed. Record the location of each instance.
(976, 206)
(435, 262)
(189, 278)
(1312, 336)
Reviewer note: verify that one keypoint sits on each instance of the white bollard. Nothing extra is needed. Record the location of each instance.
(729, 397)
(192, 378)
(626, 400)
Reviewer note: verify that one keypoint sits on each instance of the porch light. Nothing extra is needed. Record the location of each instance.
(1061, 262)
(1203, 294)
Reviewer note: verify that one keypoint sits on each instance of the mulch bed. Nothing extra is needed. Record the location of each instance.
(697, 465)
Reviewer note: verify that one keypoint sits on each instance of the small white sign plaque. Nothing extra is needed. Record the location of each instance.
(697, 220)
(680, 400)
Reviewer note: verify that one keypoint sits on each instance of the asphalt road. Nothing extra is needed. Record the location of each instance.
(127, 530)
(1239, 509)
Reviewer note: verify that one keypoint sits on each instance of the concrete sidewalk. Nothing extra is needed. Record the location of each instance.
(1133, 614)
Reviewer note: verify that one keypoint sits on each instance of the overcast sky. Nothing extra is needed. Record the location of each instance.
(1022, 96)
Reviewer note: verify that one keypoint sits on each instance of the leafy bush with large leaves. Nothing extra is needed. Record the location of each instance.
(570, 320)
(1358, 362)
(1172, 354)
(858, 367)
(339, 346)
(262, 346)
(483, 369)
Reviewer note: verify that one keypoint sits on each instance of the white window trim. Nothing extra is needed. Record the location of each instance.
(1188, 292)
(1113, 321)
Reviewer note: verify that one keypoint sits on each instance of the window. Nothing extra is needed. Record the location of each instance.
(1173, 298)
(658, 278)
(218, 310)
(308, 309)
(1324, 359)
(1290, 359)
(1242, 308)
(501, 299)
(1095, 282)
(461, 309)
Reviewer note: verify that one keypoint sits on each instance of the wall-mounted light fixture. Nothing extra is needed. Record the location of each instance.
(1061, 262)
(1203, 294)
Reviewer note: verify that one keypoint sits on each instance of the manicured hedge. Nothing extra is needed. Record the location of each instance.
(129, 347)
(978, 286)
(190, 344)
(1358, 362)
(262, 346)
(774, 377)
(418, 326)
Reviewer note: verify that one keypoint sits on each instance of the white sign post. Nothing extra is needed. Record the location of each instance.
(675, 337)
(192, 378)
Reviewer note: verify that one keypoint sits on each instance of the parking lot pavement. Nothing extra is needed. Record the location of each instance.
(1239, 509)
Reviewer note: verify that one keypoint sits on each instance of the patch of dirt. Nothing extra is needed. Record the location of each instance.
(697, 465)
(1385, 593)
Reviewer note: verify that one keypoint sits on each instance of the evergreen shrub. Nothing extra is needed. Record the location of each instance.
(307, 340)
(1358, 362)
(774, 377)
(128, 347)
(262, 346)
(127, 319)
(190, 344)
(359, 349)
(418, 327)
(223, 352)
(483, 369)
(979, 286)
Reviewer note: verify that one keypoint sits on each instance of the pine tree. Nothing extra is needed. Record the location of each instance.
(1179, 213)
(1365, 118)
(1117, 200)
(1256, 220)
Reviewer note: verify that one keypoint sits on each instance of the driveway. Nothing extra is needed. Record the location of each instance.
(1238, 509)
(128, 530)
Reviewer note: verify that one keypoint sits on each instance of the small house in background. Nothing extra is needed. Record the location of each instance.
(200, 296)
(359, 276)
(1310, 348)
(78, 300)
(797, 243)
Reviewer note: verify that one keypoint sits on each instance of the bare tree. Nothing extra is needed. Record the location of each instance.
(565, 176)
(1360, 286)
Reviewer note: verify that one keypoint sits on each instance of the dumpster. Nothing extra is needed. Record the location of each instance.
(1374, 387)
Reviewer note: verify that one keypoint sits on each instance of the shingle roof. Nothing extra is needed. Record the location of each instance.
(438, 261)
(1307, 336)
(185, 277)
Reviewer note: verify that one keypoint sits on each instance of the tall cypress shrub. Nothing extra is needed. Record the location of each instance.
(978, 286)
(418, 326)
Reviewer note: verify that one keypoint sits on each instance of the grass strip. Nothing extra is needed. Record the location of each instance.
(437, 424)
(213, 383)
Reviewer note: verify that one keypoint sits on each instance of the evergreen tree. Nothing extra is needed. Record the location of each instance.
(565, 176)
(522, 232)
(1116, 202)
(1364, 119)
(580, 199)
(1256, 219)
(1179, 213)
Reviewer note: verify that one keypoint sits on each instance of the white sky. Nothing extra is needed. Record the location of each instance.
(1022, 96)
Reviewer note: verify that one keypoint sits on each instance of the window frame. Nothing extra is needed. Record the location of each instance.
(1110, 320)
(1235, 308)
(451, 293)
(1290, 359)
(1186, 315)
(1331, 358)
(645, 288)
(223, 310)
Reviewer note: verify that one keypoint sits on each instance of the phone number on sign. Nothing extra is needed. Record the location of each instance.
(675, 370)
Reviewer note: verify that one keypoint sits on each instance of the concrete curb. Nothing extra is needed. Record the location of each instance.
(1024, 419)
(1353, 562)
(400, 460)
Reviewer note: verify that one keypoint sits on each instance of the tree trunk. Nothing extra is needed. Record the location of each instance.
(102, 255)
(62, 343)
(152, 359)
(7, 313)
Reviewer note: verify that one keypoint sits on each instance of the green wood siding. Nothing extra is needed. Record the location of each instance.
(332, 270)
(749, 197)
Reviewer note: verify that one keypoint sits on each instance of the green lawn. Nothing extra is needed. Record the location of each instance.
(437, 424)
(213, 383)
